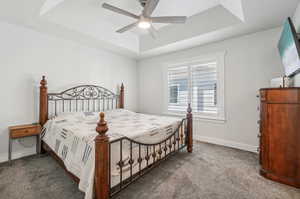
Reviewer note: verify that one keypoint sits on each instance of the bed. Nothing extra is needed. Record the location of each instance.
(103, 146)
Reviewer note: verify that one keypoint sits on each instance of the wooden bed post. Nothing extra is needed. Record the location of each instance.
(189, 117)
(121, 100)
(43, 101)
(102, 160)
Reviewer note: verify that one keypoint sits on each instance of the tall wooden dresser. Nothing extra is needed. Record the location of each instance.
(280, 135)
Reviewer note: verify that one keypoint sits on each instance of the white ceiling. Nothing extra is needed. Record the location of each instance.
(87, 22)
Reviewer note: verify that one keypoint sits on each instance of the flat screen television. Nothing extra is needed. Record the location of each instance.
(289, 49)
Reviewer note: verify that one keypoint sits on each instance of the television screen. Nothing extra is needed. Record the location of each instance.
(289, 49)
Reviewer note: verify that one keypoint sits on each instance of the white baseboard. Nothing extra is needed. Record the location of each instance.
(15, 155)
(236, 145)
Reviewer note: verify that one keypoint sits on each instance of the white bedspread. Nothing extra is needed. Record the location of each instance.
(71, 136)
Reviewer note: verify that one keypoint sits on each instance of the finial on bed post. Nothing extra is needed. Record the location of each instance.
(102, 125)
(43, 101)
(121, 100)
(102, 160)
(189, 117)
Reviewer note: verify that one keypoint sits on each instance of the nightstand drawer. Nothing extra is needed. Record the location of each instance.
(26, 131)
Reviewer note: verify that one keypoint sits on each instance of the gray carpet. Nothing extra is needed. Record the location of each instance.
(211, 172)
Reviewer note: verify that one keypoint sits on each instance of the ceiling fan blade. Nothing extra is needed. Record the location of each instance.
(126, 28)
(169, 19)
(153, 32)
(150, 7)
(119, 10)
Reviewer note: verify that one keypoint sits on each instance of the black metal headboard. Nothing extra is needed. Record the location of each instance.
(84, 98)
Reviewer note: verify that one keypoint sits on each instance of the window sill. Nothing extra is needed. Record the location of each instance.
(200, 118)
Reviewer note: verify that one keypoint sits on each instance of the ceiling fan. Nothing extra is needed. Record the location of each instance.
(145, 20)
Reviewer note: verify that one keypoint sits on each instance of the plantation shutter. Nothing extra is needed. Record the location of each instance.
(178, 80)
(194, 83)
(204, 87)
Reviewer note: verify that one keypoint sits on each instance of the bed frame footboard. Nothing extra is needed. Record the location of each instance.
(153, 154)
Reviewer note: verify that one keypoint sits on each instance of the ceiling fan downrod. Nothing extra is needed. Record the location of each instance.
(143, 2)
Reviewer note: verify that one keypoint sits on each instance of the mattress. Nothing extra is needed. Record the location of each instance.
(71, 136)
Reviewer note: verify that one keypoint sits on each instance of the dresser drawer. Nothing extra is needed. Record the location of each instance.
(26, 131)
(283, 96)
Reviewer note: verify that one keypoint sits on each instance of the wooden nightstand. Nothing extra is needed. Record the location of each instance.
(21, 131)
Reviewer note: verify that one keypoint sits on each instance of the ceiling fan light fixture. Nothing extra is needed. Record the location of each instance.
(144, 24)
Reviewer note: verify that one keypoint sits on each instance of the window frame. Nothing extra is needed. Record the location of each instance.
(219, 57)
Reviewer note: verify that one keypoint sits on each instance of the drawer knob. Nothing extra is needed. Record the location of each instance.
(259, 135)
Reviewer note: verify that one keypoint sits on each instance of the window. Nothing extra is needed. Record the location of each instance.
(178, 88)
(204, 87)
(173, 94)
(199, 82)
